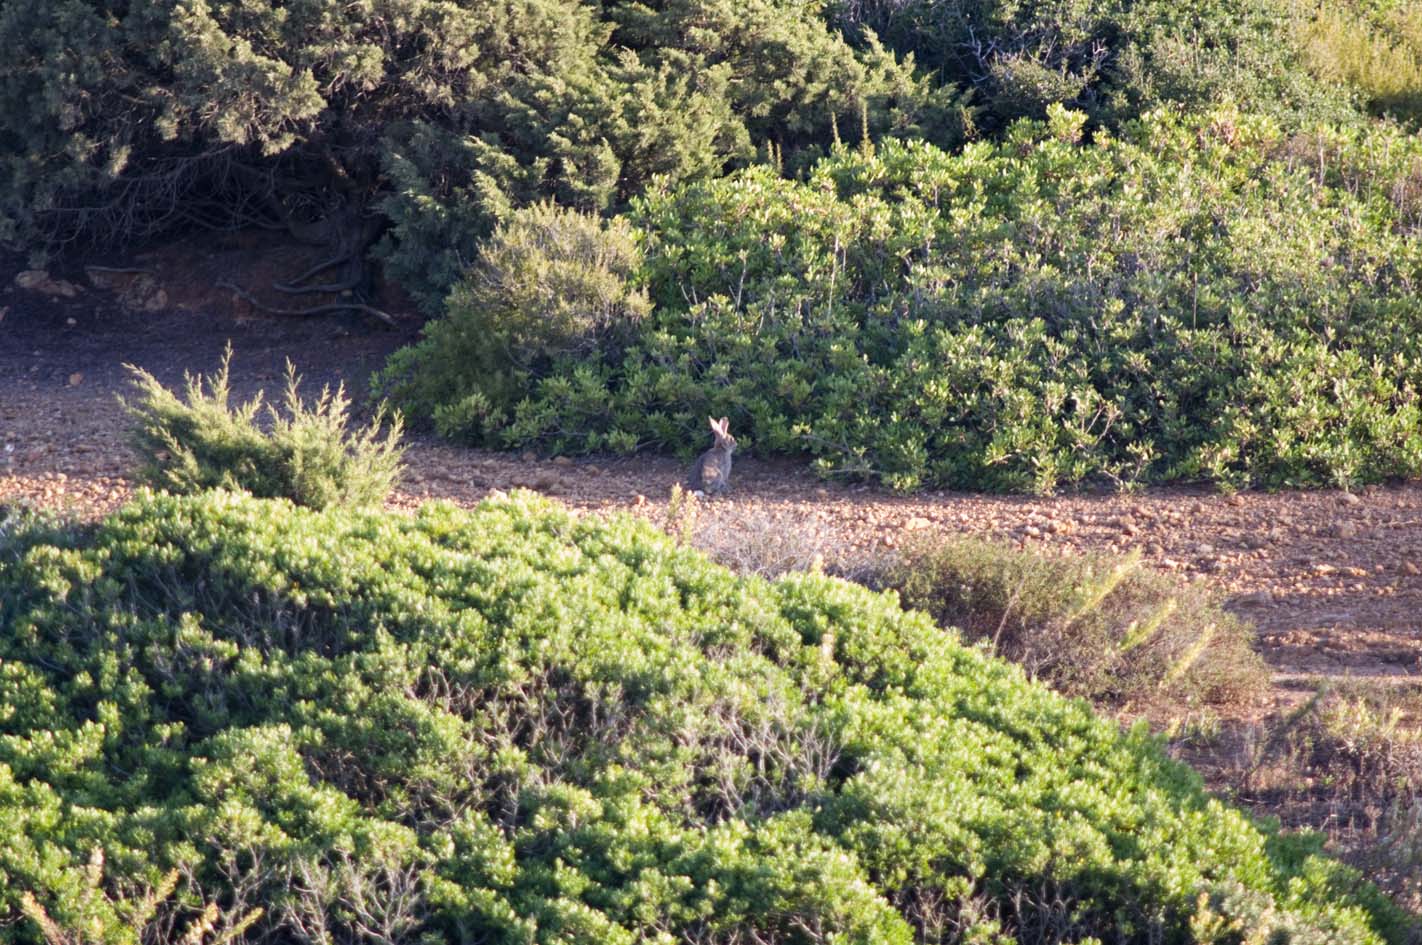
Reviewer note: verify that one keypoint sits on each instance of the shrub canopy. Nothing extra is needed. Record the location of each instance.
(512, 725)
(1114, 59)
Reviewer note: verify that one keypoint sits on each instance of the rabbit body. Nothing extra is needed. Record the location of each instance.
(711, 473)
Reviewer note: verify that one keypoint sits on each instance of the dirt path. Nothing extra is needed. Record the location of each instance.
(1333, 581)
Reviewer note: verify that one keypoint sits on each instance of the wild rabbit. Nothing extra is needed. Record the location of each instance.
(712, 472)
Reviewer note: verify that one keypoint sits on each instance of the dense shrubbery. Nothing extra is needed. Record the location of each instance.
(435, 118)
(1196, 298)
(1097, 626)
(305, 453)
(1111, 58)
(515, 726)
(118, 122)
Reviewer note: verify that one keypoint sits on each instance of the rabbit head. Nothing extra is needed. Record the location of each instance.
(721, 430)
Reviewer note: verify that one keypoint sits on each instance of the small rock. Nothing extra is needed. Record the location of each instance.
(1235, 500)
(156, 301)
(918, 523)
(1344, 530)
(528, 456)
(1323, 568)
(1032, 531)
(37, 280)
(562, 461)
(1349, 498)
(1409, 568)
(76, 379)
(1204, 548)
(71, 322)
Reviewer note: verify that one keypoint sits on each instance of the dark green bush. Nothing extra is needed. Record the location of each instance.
(1200, 298)
(518, 726)
(1098, 626)
(305, 453)
(429, 118)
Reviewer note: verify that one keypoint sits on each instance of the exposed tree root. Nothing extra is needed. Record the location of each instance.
(349, 232)
(350, 306)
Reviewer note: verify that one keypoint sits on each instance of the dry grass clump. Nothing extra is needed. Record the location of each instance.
(1347, 763)
(1363, 743)
(757, 541)
(1100, 626)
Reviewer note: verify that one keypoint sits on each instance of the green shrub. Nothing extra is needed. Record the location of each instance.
(516, 725)
(1115, 59)
(305, 453)
(1202, 297)
(1098, 626)
(549, 282)
(1375, 47)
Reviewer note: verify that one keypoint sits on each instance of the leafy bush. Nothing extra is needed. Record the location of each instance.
(514, 725)
(306, 454)
(1201, 297)
(549, 282)
(1098, 626)
(1114, 59)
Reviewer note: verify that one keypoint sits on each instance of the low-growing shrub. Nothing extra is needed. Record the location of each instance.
(513, 725)
(548, 282)
(306, 453)
(1094, 625)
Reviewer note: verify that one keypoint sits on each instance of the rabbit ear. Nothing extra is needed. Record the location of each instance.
(725, 425)
(715, 427)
